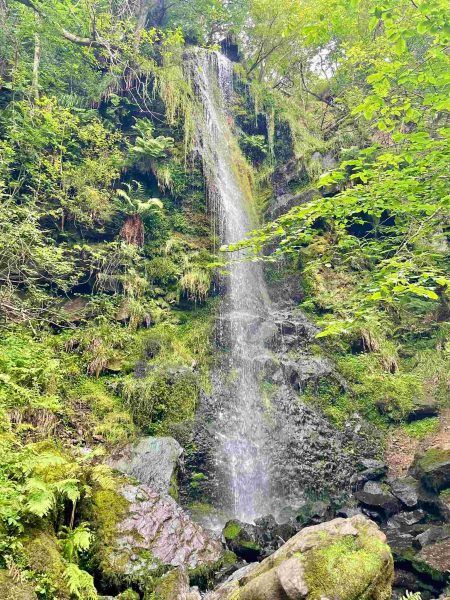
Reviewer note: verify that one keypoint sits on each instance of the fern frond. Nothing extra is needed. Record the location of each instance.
(80, 583)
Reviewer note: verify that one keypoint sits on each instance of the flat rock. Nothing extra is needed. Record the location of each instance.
(434, 560)
(436, 533)
(151, 460)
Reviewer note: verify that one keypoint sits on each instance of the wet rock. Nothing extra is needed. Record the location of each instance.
(376, 496)
(306, 370)
(348, 511)
(139, 530)
(319, 562)
(243, 540)
(436, 533)
(405, 519)
(433, 468)
(398, 540)
(406, 490)
(285, 202)
(314, 513)
(273, 535)
(373, 470)
(151, 460)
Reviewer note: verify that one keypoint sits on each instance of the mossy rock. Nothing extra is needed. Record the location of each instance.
(242, 539)
(344, 558)
(172, 586)
(107, 510)
(433, 468)
(140, 534)
(11, 589)
(43, 555)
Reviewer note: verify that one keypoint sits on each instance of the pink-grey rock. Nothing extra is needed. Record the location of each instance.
(157, 531)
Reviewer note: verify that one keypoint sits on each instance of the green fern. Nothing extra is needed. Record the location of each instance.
(80, 583)
(74, 541)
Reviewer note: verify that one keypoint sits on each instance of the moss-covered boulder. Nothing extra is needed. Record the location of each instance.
(43, 556)
(15, 589)
(433, 468)
(344, 558)
(140, 531)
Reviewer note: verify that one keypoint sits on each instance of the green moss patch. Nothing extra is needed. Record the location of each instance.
(345, 569)
(232, 530)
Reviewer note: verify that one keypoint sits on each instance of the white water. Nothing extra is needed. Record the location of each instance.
(239, 431)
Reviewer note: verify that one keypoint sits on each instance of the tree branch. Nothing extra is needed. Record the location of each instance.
(68, 35)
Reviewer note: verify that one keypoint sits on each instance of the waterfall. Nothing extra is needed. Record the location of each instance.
(262, 448)
(239, 431)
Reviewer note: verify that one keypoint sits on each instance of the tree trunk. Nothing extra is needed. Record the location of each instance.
(36, 61)
(133, 230)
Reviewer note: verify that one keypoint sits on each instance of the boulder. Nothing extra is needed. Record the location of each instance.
(406, 519)
(377, 496)
(433, 468)
(434, 561)
(152, 461)
(406, 489)
(313, 513)
(139, 530)
(343, 558)
(435, 533)
(174, 585)
(372, 470)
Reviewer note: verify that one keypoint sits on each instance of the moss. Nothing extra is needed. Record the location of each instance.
(43, 555)
(445, 496)
(203, 576)
(422, 428)
(433, 458)
(347, 569)
(128, 594)
(107, 510)
(15, 589)
(232, 530)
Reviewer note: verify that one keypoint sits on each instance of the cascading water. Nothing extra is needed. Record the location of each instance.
(260, 448)
(240, 434)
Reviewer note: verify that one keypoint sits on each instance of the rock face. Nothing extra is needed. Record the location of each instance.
(343, 558)
(149, 531)
(152, 461)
